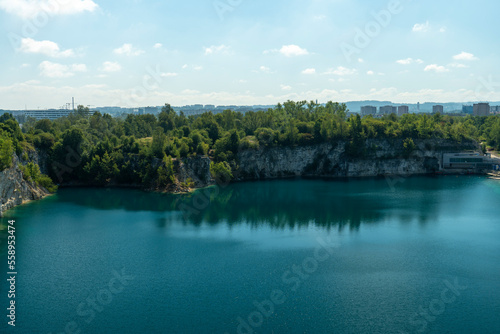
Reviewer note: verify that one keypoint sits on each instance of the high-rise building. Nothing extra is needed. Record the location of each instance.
(47, 114)
(403, 110)
(481, 109)
(437, 109)
(387, 110)
(368, 110)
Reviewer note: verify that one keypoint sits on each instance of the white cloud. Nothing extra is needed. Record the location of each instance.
(465, 56)
(185, 66)
(409, 61)
(436, 68)
(190, 92)
(197, 68)
(128, 50)
(25, 65)
(370, 73)
(28, 9)
(55, 70)
(109, 66)
(265, 69)
(309, 71)
(220, 49)
(361, 60)
(293, 50)
(158, 46)
(319, 17)
(286, 87)
(341, 71)
(422, 27)
(442, 30)
(168, 75)
(48, 48)
(458, 65)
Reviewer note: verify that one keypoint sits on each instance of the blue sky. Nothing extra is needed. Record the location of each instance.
(139, 52)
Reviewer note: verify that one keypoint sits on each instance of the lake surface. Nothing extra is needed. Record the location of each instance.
(415, 255)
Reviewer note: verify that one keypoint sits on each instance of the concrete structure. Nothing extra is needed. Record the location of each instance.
(403, 110)
(495, 109)
(469, 161)
(368, 110)
(438, 109)
(387, 110)
(47, 114)
(482, 109)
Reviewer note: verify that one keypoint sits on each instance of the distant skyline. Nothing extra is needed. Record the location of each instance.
(137, 53)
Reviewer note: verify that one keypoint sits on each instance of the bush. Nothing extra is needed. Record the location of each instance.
(221, 171)
(47, 183)
(408, 147)
(6, 152)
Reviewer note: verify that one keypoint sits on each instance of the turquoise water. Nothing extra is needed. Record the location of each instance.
(416, 255)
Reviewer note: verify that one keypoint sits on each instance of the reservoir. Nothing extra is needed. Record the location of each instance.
(395, 255)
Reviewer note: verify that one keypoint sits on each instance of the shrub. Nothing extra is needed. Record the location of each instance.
(221, 171)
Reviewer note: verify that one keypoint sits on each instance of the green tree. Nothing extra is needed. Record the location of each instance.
(6, 153)
(221, 171)
(158, 144)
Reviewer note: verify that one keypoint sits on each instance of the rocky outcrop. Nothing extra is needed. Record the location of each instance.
(197, 169)
(380, 157)
(14, 190)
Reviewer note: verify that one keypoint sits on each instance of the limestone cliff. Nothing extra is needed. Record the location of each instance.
(14, 190)
(380, 157)
(197, 169)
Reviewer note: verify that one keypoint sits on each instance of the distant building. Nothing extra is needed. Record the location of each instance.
(368, 110)
(469, 161)
(438, 109)
(151, 110)
(495, 109)
(468, 110)
(209, 107)
(47, 114)
(387, 110)
(481, 109)
(403, 110)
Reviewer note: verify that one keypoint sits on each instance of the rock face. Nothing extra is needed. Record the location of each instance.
(381, 157)
(196, 169)
(14, 190)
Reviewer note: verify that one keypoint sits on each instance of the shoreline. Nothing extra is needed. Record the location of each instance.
(24, 202)
(299, 177)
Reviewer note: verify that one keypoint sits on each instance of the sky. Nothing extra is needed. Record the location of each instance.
(135, 53)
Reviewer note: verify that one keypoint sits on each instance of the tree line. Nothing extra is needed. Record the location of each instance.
(98, 149)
